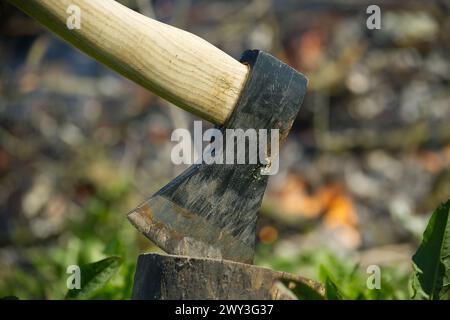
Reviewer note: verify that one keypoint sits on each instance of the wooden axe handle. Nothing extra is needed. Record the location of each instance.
(174, 64)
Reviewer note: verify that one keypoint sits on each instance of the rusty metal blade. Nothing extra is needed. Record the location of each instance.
(209, 211)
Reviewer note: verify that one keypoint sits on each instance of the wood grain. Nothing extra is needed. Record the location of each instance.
(174, 64)
(161, 277)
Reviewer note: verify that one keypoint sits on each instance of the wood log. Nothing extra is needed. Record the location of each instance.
(161, 277)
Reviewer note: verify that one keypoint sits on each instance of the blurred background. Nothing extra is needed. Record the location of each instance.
(366, 163)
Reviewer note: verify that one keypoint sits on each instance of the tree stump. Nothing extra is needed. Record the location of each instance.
(160, 277)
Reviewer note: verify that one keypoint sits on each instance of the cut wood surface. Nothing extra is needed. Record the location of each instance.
(179, 277)
(174, 64)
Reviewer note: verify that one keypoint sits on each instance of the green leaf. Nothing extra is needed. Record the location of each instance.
(431, 262)
(332, 292)
(94, 276)
(303, 290)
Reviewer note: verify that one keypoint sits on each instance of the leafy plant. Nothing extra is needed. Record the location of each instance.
(94, 276)
(331, 289)
(431, 277)
(302, 290)
(347, 279)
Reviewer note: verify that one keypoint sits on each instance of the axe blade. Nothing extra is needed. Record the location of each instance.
(211, 210)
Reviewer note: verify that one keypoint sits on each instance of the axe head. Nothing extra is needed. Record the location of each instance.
(211, 210)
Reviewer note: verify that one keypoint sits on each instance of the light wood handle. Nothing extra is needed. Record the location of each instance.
(174, 64)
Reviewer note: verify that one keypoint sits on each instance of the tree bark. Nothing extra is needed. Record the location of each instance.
(160, 277)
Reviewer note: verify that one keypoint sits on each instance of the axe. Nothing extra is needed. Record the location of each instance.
(210, 210)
